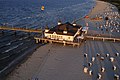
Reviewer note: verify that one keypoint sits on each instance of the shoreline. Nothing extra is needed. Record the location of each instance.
(113, 2)
(17, 62)
(84, 14)
(100, 9)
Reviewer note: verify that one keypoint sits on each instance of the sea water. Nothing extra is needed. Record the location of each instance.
(27, 13)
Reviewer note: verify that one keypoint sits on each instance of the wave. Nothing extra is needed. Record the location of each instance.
(49, 16)
(14, 47)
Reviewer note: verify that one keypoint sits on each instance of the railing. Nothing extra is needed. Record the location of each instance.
(102, 38)
(45, 40)
(20, 29)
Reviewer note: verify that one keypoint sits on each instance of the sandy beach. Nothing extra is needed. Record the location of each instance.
(101, 9)
(58, 62)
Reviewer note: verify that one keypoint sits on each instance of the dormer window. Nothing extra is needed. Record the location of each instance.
(65, 31)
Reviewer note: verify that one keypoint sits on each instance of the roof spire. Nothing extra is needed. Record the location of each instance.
(59, 22)
(74, 23)
(46, 29)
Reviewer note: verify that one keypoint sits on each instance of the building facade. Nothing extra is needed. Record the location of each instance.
(64, 32)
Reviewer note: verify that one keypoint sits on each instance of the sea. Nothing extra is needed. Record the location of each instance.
(28, 14)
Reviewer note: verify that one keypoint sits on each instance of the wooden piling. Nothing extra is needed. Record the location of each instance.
(114, 40)
(36, 40)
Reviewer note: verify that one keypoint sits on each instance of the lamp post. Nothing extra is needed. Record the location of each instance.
(42, 32)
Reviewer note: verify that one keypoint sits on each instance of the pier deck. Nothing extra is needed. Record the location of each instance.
(102, 38)
(45, 40)
(20, 29)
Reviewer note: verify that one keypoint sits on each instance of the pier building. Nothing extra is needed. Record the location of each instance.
(64, 32)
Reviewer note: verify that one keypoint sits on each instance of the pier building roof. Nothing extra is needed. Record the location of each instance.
(71, 30)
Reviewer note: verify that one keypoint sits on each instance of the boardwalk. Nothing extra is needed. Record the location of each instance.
(20, 29)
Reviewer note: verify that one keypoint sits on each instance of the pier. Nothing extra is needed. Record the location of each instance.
(20, 29)
(102, 38)
(45, 40)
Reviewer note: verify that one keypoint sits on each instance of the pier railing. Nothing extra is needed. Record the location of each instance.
(20, 29)
(102, 38)
(45, 40)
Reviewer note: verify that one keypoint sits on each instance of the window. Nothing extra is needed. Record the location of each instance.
(61, 37)
(57, 37)
(68, 37)
(52, 36)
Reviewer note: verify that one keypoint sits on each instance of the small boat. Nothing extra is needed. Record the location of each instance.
(42, 8)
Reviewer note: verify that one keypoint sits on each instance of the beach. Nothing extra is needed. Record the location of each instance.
(52, 61)
(59, 62)
(99, 27)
